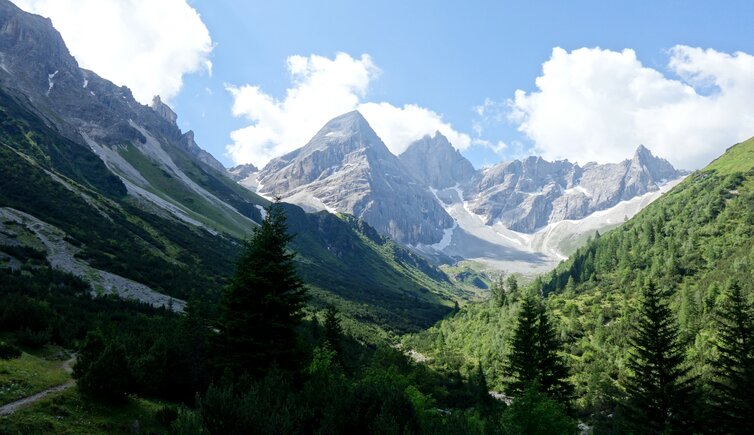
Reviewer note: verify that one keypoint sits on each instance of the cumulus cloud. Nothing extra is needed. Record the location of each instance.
(399, 126)
(321, 89)
(595, 104)
(146, 45)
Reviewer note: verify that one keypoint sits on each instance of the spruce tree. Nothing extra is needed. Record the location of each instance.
(534, 361)
(261, 307)
(498, 290)
(481, 390)
(659, 390)
(553, 371)
(734, 366)
(333, 330)
(522, 361)
(511, 285)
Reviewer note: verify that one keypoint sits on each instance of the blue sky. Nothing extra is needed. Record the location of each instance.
(451, 57)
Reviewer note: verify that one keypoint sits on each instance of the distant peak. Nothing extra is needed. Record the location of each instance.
(353, 115)
(643, 151)
(347, 124)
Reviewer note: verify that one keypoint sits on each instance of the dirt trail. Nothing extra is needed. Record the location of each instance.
(12, 407)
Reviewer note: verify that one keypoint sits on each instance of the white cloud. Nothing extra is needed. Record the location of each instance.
(496, 147)
(594, 104)
(321, 89)
(399, 126)
(146, 45)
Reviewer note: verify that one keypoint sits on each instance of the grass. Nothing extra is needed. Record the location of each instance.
(738, 158)
(173, 190)
(29, 374)
(69, 413)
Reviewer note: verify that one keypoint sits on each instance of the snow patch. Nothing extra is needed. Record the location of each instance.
(262, 211)
(579, 189)
(447, 237)
(50, 83)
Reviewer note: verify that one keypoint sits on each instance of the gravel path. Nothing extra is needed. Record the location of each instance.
(12, 407)
(26, 401)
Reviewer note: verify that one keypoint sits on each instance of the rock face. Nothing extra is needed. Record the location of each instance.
(347, 168)
(241, 172)
(528, 194)
(434, 162)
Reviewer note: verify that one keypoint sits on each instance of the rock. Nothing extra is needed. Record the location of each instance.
(433, 161)
(345, 167)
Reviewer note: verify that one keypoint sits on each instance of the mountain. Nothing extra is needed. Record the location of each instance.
(242, 172)
(521, 215)
(529, 194)
(112, 191)
(346, 168)
(692, 243)
(436, 163)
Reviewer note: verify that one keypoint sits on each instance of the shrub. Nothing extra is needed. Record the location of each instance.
(9, 351)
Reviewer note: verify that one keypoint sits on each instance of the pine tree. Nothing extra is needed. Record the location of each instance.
(734, 367)
(534, 360)
(522, 361)
(333, 330)
(552, 368)
(511, 285)
(262, 305)
(498, 290)
(660, 394)
(481, 389)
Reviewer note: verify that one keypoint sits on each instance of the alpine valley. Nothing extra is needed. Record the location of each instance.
(342, 288)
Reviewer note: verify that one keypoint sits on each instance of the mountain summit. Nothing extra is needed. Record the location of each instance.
(347, 168)
(436, 163)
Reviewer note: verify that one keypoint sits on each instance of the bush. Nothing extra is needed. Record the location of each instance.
(102, 370)
(9, 351)
(534, 413)
(166, 415)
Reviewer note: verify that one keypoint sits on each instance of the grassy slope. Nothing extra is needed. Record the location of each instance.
(29, 374)
(373, 279)
(692, 241)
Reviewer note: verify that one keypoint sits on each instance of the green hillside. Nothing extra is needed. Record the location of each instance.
(66, 185)
(692, 242)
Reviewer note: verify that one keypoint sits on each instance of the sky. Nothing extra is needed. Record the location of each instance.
(578, 80)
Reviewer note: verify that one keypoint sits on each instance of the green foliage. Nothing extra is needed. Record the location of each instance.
(9, 351)
(333, 330)
(535, 413)
(102, 370)
(523, 360)
(534, 361)
(22, 130)
(734, 365)
(659, 391)
(690, 242)
(497, 290)
(738, 158)
(262, 305)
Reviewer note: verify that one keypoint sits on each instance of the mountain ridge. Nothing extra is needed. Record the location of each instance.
(343, 169)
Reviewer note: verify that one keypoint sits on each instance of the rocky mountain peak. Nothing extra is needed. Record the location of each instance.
(30, 46)
(164, 110)
(657, 168)
(241, 172)
(346, 167)
(434, 161)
